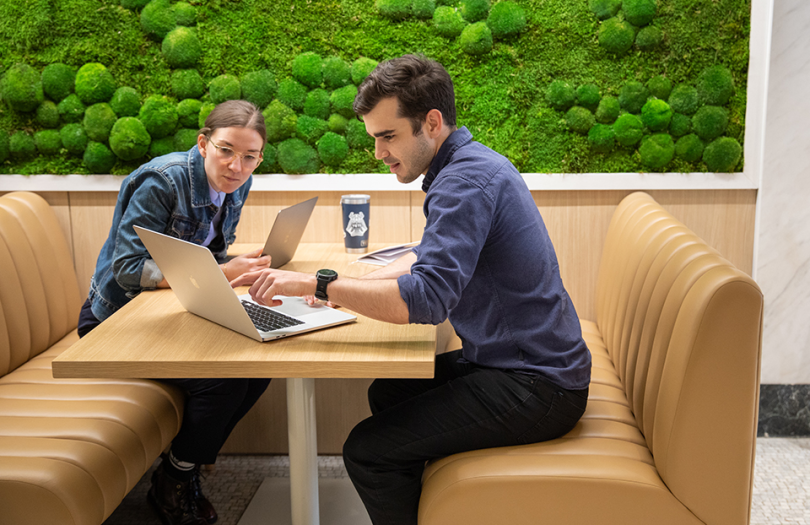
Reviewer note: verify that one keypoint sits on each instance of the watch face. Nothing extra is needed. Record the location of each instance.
(327, 273)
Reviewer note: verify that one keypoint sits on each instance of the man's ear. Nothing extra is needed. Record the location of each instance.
(434, 122)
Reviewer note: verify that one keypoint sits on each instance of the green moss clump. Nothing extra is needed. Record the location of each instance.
(689, 148)
(333, 149)
(311, 129)
(588, 96)
(710, 122)
(317, 104)
(292, 94)
(98, 121)
(58, 81)
(4, 152)
(608, 110)
(394, 9)
(188, 112)
(297, 157)
(280, 121)
(579, 119)
(506, 19)
(474, 10)
(633, 96)
(337, 123)
(684, 99)
(656, 114)
(342, 100)
(616, 36)
(629, 129)
(639, 12)
(680, 125)
(161, 147)
(423, 8)
(448, 21)
(659, 87)
(129, 139)
(357, 137)
(722, 155)
(98, 158)
(159, 116)
(225, 87)
(71, 109)
(259, 87)
(657, 151)
(74, 138)
(21, 146)
(476, 39)
(48, 141)
(362, 67)
(185, 139)
(133, 4)
(336, 73)
(649, 37)
(126, 102)
(715, 86)
(185, 14)
(158, 18)
(187, 83)
(307, 68)
(604, 9)
(602, 138)
(48, 115)
(561, 95)
(268, 163)
(94, 84)
(205, 110)
(21, 88)
(182, 48)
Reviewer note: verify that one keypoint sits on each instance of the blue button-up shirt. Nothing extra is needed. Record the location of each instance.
(486, 262)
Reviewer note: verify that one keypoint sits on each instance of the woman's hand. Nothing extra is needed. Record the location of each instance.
(246, 263)
(311, 300)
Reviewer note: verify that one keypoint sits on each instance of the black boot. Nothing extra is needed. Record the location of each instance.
(172, 500)
(204, 507)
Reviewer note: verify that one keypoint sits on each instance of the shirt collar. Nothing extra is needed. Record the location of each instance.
(457, 139)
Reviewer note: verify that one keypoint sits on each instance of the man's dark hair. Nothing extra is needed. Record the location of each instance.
(419, 84)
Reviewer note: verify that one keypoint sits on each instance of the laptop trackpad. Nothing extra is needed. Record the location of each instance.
(296, 306)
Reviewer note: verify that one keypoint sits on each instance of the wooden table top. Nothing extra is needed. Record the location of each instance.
(154, 336)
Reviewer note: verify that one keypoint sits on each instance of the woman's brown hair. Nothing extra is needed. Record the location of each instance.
(235, 114)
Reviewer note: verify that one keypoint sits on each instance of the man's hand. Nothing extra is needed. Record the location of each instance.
(246, 263)
(268, 283)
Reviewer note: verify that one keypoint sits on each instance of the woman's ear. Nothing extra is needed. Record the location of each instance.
(202, 143)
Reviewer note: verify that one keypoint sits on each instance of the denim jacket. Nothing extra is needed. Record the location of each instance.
(169, 195)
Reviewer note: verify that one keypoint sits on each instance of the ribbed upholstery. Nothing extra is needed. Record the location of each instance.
(669, 432)
(70, 449)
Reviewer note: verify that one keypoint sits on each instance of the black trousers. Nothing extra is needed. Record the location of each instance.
(213, 406)
(464, 407)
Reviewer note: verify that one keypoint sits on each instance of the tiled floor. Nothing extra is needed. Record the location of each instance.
(781, 485)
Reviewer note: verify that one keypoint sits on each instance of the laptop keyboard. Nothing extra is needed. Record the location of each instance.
(267, 320)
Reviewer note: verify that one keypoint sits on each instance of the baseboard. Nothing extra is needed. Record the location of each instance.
(784, 410)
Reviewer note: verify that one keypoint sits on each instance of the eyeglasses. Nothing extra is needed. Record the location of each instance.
(226, 154)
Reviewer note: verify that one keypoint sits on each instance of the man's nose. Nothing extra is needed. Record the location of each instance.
(380, 152)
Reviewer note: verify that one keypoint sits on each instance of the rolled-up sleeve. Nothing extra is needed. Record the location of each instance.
(458, 223)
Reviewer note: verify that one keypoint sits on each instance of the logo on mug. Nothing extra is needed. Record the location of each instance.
(357, 224)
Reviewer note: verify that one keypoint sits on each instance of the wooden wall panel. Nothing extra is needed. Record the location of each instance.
(91, 215)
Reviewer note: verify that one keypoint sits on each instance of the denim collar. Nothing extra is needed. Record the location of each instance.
(458, 138)
(200, 189)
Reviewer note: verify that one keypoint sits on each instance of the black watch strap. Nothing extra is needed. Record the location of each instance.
(324, 277)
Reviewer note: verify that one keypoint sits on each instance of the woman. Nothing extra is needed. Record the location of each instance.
(196, 196)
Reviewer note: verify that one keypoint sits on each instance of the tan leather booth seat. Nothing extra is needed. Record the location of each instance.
(70, 449)
(668, 436)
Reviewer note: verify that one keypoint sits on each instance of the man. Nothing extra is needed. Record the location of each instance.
(487, 263)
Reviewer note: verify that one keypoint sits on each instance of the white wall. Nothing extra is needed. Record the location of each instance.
(783, 248)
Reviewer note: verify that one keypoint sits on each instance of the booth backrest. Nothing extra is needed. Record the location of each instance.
(39, 293)
(683, 328)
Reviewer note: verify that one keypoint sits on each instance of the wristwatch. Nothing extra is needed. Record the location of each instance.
(324, 277)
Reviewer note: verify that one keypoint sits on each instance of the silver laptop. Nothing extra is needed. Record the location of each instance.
(203, 290)
(287, 231)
